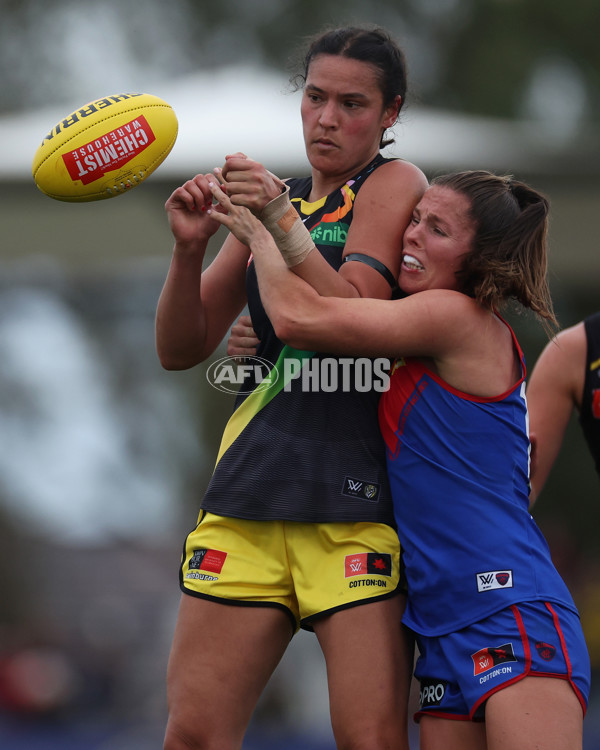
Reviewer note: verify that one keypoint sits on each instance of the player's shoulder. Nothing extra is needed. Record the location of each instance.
(568, 342)
(562, 360)
(400, 168)
(398, 173)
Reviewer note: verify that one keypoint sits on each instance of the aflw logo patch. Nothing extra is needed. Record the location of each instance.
(359, 488)
(494, 579)
(368, 563)
(491, 657)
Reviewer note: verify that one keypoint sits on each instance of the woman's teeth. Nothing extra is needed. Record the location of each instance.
(412, 263)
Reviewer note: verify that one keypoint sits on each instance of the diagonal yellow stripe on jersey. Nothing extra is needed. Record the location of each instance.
(258, 399)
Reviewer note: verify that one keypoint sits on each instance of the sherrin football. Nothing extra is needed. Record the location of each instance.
(105, 148)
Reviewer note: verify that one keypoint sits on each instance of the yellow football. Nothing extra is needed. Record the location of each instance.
(105, 148)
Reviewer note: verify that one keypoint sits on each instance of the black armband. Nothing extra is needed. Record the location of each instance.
(377, 265)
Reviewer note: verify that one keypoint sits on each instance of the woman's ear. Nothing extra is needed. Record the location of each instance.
(391, 112)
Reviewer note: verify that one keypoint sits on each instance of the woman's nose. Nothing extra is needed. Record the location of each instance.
(411, 234)
(328, 116)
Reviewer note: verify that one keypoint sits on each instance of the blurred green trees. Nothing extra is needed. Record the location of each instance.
(492, 57)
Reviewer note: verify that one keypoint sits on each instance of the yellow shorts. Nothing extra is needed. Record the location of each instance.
(306, 569)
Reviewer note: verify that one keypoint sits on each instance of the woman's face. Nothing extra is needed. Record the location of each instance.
(343, 116)
(440, 232)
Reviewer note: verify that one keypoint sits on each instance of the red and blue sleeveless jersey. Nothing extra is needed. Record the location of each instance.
(458, 467)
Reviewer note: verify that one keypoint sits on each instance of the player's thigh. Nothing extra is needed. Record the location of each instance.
(539, 712)
(436, 733)
(369, 661)
(221, 659)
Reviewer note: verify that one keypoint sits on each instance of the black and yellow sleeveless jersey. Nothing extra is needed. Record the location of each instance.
(307, 448)
(589, 417)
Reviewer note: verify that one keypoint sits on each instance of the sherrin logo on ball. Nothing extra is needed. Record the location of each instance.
(105, 148)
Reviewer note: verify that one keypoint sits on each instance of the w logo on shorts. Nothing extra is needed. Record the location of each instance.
(368, 563)
(490, 657)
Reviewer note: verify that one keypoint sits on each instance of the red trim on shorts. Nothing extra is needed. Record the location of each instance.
(524, 639)
(526, 670)
(563, 646)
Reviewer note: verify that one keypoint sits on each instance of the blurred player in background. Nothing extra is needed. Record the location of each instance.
(566, 378)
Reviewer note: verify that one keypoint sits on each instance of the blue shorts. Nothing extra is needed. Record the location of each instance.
(458, 672)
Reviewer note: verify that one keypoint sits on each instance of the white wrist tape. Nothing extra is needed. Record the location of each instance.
(291, 236)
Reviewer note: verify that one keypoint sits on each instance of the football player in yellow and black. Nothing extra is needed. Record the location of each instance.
(296, 527)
